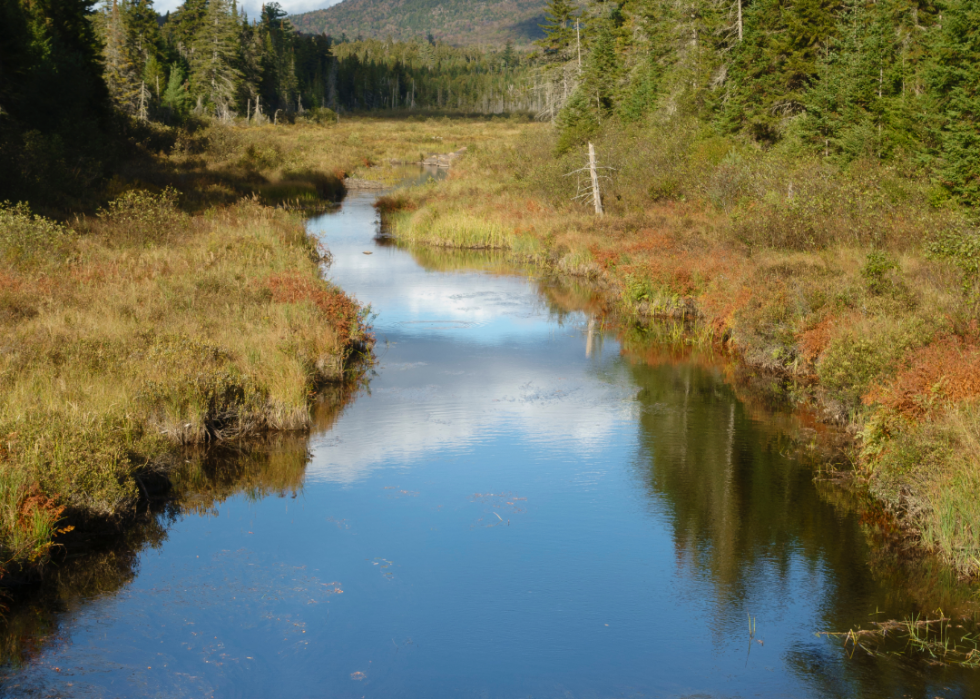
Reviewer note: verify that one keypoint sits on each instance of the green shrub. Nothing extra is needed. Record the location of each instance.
(850, 364)
(875, 272)
(962, 248)
(26, 239)
(138, 216)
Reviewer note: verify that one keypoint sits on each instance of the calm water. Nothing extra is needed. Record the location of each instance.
(515, 506)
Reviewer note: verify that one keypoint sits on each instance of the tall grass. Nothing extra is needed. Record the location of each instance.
(145, 329)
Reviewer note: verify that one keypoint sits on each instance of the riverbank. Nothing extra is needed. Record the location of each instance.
(184, 306)
(856, 287)
(136, 333)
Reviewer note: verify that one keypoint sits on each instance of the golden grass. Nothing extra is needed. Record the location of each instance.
(149, 330)
(300, 165)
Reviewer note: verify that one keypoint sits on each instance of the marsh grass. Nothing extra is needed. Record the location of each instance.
(148, 328)
(941, 640)
(188, 309)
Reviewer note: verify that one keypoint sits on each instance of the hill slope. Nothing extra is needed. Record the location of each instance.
(461, 22)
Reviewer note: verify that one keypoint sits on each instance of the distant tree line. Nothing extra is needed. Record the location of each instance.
(209, 58)
(77, 80)
(893, 80)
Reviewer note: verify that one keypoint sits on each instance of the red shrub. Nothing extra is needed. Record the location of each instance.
(334, 304)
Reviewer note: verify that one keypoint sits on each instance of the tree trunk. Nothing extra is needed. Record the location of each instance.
(596, 195)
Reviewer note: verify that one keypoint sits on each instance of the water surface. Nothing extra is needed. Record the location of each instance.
(515, 506)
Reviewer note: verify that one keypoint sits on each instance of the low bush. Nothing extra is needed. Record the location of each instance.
(29, 240)
(139, 217)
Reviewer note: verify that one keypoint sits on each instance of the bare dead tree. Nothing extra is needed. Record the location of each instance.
(590, 193)
(141, 109)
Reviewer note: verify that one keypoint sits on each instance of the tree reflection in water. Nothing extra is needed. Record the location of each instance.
(97, 563)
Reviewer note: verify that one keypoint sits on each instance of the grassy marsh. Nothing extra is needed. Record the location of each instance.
(186, 308)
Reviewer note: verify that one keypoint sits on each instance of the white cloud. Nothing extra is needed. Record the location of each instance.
(475, 358)
(481, 394)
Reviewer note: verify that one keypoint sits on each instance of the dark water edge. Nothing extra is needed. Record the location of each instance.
(524, 500)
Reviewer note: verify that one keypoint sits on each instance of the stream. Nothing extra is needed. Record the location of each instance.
(515, 504)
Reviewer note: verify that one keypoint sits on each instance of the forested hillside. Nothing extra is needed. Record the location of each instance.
(78, 82)
(458, 22)
(894, 81)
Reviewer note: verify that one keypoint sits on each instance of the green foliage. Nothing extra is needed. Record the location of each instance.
(214, 75)
(142, 217)
(962, 248)
(177, 99)
(597, 93)
(850, 364)
(27, 239)
(558, 28)
(869, 87)
(955, 83)
(875, 271)
(776, 63)
(54, 106)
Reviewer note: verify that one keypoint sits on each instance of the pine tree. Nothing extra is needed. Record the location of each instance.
(122, 75)
(214, 76)
(595, 98)
(776, 63)
(509, 56)
(176, 98)
(559, 28)
(867, 98)
(278, 72)
(142, 29)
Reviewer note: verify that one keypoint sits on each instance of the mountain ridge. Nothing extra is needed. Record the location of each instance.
(460, 22)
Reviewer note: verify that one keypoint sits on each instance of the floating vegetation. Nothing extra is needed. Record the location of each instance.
(940, 641)
(385, 567)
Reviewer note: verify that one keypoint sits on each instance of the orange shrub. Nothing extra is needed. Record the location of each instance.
(290, 287)
(946, 371)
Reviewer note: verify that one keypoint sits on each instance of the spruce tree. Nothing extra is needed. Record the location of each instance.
(776, 63)
(278, 74)
(122, 73)
(176, 98)
(595, 98)
(214, 76)
(559, 28)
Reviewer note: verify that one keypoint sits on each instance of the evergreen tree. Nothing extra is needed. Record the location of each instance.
(279, 83)
(559, 28)
(776, 63)
(214, 76)
(143, 29)
(658, 22)
(54, 104)
(867, 99)
(955, 85)
(176, 98)
(122, 75)
(596, 95)
(509, 56)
